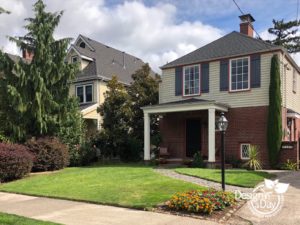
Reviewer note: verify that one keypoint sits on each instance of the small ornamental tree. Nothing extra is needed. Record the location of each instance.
(274, 129)
(143, 92)
(286, 35)
(35, 93)
(115, 113)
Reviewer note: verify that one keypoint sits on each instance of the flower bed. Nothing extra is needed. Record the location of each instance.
(205, 202)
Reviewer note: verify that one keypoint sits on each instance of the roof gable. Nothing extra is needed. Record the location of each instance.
(232, 44)
(108, 61)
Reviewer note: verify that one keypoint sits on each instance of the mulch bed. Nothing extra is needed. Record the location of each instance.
(220, 216)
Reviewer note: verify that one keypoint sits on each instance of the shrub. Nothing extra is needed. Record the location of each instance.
(49, 153)
(197, 161)
(131, 150)
(87, 154)
(253, 162)
(234, 161)
(289, 165)
(15, 162)
(4, 139)
(201, 201)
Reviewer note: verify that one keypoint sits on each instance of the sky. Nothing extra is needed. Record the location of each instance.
(156, 31)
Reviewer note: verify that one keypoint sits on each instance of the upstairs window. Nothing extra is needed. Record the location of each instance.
(74, 59)
(239, 74)
(84, 93)
(294, 81)
(191, 79)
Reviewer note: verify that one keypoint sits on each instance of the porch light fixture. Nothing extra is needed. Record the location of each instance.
(222, 125)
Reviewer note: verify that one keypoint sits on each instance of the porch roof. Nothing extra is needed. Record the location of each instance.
(191, 104)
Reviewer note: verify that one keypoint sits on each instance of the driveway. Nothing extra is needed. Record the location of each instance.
(290, 212)
(78, 213)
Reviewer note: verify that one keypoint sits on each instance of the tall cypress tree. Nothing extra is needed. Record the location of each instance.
(286, 35)
(34, 94)
(274, 135)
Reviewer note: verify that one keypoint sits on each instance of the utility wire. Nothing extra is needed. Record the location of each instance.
(239, 8)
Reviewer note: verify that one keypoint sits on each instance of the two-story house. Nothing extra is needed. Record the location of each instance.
(97, 64)
(231, 75)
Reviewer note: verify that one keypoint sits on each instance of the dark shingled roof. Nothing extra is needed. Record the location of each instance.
(232, 44)
(86, 105)
(107, 62)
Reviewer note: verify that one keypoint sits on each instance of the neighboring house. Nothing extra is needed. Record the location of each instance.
(231, 75)
(98, 63)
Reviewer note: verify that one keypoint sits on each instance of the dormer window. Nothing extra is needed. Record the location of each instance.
(82, 45)
(74, 59)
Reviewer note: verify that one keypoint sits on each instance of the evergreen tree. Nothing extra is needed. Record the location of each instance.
(274, 132)
(115, 113)
(143, 92)
(3, 11)
(286, 35)
(35, 94)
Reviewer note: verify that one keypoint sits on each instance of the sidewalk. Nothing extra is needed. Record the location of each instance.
(77, 213)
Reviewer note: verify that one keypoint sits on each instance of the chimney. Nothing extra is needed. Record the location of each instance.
(246, 26)
(27, 54)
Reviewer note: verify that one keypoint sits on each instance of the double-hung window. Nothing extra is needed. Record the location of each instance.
(84, 93)
(191, 80)
(239, 74)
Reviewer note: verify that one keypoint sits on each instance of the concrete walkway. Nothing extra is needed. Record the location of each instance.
(77, 213)
(199, 181)
(290, 213)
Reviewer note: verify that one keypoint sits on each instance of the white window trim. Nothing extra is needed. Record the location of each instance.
(241, 150)
(230, 74)
(74, 57)
(183, 81)
(84, 92)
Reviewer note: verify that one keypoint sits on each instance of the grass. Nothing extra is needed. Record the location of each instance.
(122, 185)
(9, 219)
(237, 177)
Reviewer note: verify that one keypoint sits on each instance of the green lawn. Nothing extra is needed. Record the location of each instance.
(238, 177)
(9, 219)
(123, 185)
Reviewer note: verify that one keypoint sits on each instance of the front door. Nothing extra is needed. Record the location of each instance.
(193, 136)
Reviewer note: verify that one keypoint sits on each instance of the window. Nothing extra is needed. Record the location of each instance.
(245, 151)
(239, 74)
(74, 59)
(84, 93)
(82, 45)
(294, 81)
(191, 79)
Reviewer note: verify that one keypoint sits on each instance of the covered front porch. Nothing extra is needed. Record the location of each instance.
(91, 117)
(187, 127)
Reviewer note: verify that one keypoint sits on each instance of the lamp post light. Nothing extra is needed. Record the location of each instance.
(222, 125)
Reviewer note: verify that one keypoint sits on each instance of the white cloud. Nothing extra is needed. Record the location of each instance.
(151, 33)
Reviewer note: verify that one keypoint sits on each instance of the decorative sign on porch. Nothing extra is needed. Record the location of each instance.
(287, 145)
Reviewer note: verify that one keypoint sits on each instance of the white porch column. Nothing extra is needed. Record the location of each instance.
(146, 136)
(211, 135)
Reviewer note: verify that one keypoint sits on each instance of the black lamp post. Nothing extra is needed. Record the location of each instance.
(222, 125)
